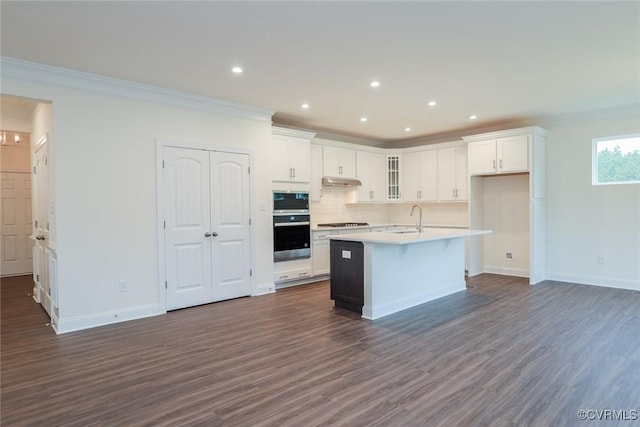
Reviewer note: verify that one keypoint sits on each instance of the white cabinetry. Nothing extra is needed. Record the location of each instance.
(339, 162)
(315, 193)
(452, 174)
(371, 172)
(290, 155)
(286, 271)
(507, 195)
(320, 252)
(420, 175)
(500, 155)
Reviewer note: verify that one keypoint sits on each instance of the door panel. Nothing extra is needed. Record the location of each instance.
(230, 213)
(16, 224)
(187, 217)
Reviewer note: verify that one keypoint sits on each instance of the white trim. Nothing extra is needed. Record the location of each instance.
(381, 310)
(531, 130)
(506, 271)
(264, 289)
(78, 80)
(292, 132)
(606, 282)
(77, 323)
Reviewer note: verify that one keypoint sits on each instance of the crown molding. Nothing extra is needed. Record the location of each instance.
(276, 130)
(78, 80)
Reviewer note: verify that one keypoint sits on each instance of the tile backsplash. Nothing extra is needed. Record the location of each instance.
(335, 207)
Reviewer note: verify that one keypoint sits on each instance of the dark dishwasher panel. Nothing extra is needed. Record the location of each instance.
(347, 275)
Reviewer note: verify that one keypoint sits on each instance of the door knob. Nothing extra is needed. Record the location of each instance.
(207, 234)
(39, 237)
(214, 234)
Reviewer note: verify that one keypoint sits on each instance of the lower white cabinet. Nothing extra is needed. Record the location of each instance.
(292, 270)
(320, 252)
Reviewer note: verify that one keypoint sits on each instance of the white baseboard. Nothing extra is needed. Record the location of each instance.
(607, 282)
(106, 318)
(372, 313)
(506, 271)
(264, 289)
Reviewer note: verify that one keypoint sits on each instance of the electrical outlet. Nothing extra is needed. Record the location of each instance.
(123, 285)
(601, 260)
(509, 255)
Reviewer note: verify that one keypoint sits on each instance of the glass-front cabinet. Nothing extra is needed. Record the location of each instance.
(393, 177)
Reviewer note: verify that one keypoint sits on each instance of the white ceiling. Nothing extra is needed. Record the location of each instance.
(507, 62)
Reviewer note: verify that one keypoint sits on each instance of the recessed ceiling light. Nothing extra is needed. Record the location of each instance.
(363, 119)
(473, 117)
(431, 103)
(237, 70)
(304, 106)
(407, 129)
(374, 83)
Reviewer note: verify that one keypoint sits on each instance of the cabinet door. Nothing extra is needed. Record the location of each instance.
(482, 157)
(331, 161)
(299, 160)
(315, 174)
(280, 167)
(462, 178)
(377, 172)
(447, 174)
(429, 176)
(411, 177)
(348, 163)
(320, 257)
(364, 172)
(513, 154)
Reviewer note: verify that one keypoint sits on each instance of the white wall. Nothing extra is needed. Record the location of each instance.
(585, 222)
(105, 189)
(506, 213)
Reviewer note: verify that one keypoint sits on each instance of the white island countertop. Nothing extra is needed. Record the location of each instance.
(405, 237)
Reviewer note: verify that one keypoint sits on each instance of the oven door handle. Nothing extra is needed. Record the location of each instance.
(290, 224)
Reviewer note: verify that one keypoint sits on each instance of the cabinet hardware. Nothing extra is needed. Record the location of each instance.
(207, 234)
(294, 172)
(500, 164)
(494, 165)
(371, 194)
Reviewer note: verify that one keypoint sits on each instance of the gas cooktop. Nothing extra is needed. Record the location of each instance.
(344, 224)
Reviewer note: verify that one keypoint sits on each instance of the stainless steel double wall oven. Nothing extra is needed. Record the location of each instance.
(291, 225)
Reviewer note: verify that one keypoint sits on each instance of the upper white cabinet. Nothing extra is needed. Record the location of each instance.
(339, 162)
(500, 155)
(420, 176)
(371, 172)
(452, 174)
(290, 155)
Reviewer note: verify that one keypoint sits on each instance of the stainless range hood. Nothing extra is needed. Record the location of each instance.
(340, 182)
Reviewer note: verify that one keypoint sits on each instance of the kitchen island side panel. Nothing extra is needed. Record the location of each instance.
(399, 277)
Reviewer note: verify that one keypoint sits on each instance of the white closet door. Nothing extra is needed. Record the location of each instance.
(230, 215)
(16, 224)
(187, 216)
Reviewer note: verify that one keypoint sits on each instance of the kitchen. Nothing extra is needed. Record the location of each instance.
(347, 190)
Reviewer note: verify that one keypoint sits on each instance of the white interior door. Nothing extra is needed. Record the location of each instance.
(41, 223)
(17, 224)
(207, 231)
(230, 216)
(188, 219)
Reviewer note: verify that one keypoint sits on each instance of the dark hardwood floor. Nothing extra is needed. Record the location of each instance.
(501, 353)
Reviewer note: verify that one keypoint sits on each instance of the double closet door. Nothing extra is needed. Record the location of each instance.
(207, 226)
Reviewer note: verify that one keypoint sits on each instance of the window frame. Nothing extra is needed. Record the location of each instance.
(594, 159)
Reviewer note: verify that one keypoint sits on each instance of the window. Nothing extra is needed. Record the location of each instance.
(616, 160)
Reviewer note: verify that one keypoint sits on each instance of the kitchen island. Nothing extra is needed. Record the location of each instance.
(402, 269)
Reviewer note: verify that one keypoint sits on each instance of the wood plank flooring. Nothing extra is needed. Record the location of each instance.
(501, 353)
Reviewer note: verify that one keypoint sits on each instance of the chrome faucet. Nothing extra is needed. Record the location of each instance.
(420, 226)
